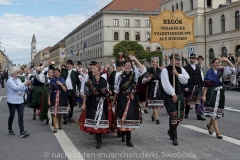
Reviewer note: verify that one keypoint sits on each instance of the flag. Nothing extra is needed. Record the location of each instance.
(84, 46)
(71, 51)
(78, 53)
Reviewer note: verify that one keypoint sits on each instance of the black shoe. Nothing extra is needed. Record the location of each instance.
(219, 137)
(175, 142)
(54, 130)
(34, 117)
(24, 134)
(186, 116)
(170, 134)
(129, 144)
(65, 122)
(199, 117)
(157, 121)
(209, 130)
(123, 139)
(47, 122)
(98, 145)
(153, 118)
(145, 111)
(11, 132)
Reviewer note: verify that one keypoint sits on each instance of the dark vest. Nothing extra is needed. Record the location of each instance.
(179, 88)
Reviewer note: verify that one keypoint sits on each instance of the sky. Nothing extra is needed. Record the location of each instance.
(49, 20)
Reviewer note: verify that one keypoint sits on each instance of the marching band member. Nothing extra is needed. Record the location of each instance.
(213, 94)
(154, 91)
(128, 109)
(97, 105)
(194, 88)
(72, 83)
(173, 97)
(58, 99)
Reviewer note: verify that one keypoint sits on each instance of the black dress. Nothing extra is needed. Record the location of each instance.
(154, 89)
(98, 113)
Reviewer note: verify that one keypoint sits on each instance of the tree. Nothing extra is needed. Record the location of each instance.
(129, 48)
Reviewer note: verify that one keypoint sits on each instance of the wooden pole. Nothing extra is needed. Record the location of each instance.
(173, 68)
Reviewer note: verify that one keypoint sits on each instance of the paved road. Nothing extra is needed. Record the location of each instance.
(151, 140)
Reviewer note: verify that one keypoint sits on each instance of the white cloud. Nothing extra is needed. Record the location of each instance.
(5, 2)
(17, 30)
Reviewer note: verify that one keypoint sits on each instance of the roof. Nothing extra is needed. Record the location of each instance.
(46, 49)
(134, 5)
(34, 39)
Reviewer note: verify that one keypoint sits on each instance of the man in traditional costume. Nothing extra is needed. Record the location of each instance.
(194, 88)
(73, 83)
(173, 97)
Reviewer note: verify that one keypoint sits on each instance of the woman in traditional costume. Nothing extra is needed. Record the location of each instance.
(213, 94)
(44, 102)
(128, 109)
(96, 106)
(154, 89)
(58, 100)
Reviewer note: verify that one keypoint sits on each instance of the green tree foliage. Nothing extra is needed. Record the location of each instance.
(133, 48)
(129, 48)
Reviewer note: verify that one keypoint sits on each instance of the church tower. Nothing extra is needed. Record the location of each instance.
(33, 47)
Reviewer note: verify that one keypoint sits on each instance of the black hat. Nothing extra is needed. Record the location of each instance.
(119, 64)
(69, 61)
(192, 55)
(92, 63)
(176, 55)
(79, 63)
(200, 57)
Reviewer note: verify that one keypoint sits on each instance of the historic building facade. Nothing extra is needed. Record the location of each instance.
(119, 20)
(216, 26)
(57, 53)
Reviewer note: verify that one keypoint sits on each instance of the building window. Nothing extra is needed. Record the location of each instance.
(147, 23)
(137, 23)
(115, 22)
(126, 22)
(126, 36)
(177, 6)
(237, 51)
(191, 5)
(172, 8)
(148, 36)
(211, 55)
(229, 1)
(209, 3)
(148, 49)
(237, 20)
(137, 36)
(223, 23)
(158, 49)
(115, 36)
(182, 6)
(224, 51)
(210, 26)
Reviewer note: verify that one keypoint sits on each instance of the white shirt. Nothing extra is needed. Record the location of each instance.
(69, 81)
(193, 66)
(40, 77)
(167, 87)
(138, 73)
